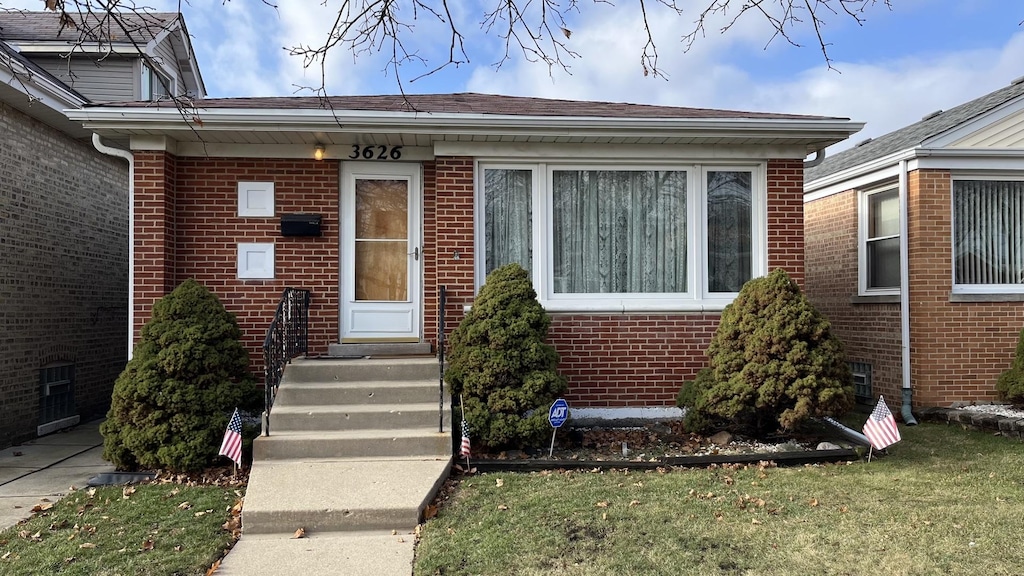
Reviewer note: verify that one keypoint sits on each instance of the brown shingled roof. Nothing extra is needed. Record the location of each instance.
(472, 103)
(26, 26)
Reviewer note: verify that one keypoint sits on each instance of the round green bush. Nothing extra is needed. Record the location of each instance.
(188, 373)
(501, 366)
(774, 364)
(1011, 383)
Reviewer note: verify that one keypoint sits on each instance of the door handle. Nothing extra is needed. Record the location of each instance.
(415, 253)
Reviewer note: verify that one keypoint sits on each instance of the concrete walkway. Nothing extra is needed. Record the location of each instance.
(49, 467)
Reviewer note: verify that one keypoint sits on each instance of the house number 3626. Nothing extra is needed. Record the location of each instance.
(375, 152)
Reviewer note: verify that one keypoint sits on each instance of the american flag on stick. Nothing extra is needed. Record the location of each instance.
(231, 446)
(464, 450)
(881, 428)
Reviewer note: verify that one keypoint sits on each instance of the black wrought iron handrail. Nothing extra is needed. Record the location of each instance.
(287, 337)
(441, 301)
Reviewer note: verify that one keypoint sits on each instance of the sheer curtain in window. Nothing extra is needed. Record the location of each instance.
(730, 241)
(508, 215)
(988, 236)
(618, 231)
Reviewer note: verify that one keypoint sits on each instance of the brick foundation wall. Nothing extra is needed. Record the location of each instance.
(63, 269)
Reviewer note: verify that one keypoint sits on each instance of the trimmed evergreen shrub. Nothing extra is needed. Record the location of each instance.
(1011, 383)
(187, 374)
(774, 363)
(500, 364)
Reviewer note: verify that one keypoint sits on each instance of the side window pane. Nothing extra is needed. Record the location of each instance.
(988, 237)
(508, 215)
(883, 240)
(618, 231)
(730, 242)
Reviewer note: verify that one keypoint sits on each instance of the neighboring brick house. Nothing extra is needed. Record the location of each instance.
(63, 233)
(958, 178)
(639, 223)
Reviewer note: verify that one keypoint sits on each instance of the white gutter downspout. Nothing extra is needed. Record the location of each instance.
(110, 151)
(908, 416)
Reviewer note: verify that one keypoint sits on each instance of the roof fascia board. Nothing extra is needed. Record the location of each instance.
(862, 180)
(1001, 159)
(918, 159)
(193, 63)
(839, 178)
(964, 129)
(114, 118)
(47, 92)
(70, 47)
(646, 152)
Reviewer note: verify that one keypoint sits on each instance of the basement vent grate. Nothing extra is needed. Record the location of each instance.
(861, 382)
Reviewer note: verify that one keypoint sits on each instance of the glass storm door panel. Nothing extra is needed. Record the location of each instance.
(382, 240)
(380, 252)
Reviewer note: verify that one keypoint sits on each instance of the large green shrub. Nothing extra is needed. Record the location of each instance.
(501, 365)
(1011, 383)
(188, 372)
(774, 363)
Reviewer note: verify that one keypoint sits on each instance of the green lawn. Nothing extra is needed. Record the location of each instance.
(945, 501)
(152, 529)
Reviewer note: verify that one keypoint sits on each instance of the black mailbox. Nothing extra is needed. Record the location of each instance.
(300, 225)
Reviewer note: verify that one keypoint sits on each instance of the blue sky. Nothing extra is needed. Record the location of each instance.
(903, 63)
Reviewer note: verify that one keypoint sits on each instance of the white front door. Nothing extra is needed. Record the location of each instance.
(380, 252)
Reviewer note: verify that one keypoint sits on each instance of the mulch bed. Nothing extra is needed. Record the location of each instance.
(656, 445)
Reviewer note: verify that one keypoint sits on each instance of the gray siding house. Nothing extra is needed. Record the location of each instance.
(64, 239)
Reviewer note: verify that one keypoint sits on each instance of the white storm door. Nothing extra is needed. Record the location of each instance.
(381, 253)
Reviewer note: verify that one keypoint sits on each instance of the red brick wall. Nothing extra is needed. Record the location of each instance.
(207, 229)
(609, 359)
(786, 217)
(154, 231)
(958, 349)
(870, 331)
(448, 226)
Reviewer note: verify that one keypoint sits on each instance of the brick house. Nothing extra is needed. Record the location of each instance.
(639, 223)
(64, 221)
(945, 196)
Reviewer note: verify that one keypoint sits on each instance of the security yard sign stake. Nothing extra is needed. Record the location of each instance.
(557, 415)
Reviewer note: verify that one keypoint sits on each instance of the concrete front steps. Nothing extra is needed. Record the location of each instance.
(354, 455)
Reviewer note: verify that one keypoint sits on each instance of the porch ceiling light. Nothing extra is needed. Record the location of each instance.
(318, 152)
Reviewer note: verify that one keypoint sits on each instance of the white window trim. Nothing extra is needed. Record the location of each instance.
(696, 298)
(145, 83)
(1001, 176)
(862, 240)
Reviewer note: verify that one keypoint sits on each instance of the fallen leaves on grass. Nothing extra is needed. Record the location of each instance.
(429, 512)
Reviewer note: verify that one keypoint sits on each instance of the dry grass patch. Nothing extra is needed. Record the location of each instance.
(151, 529)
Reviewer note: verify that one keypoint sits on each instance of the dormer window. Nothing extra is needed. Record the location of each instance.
(154, 85)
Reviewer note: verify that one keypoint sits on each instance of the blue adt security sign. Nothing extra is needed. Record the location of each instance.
(558, 413)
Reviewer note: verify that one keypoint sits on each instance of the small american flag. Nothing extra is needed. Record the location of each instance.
(232, 444)
(464, 450)
(881, 426)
